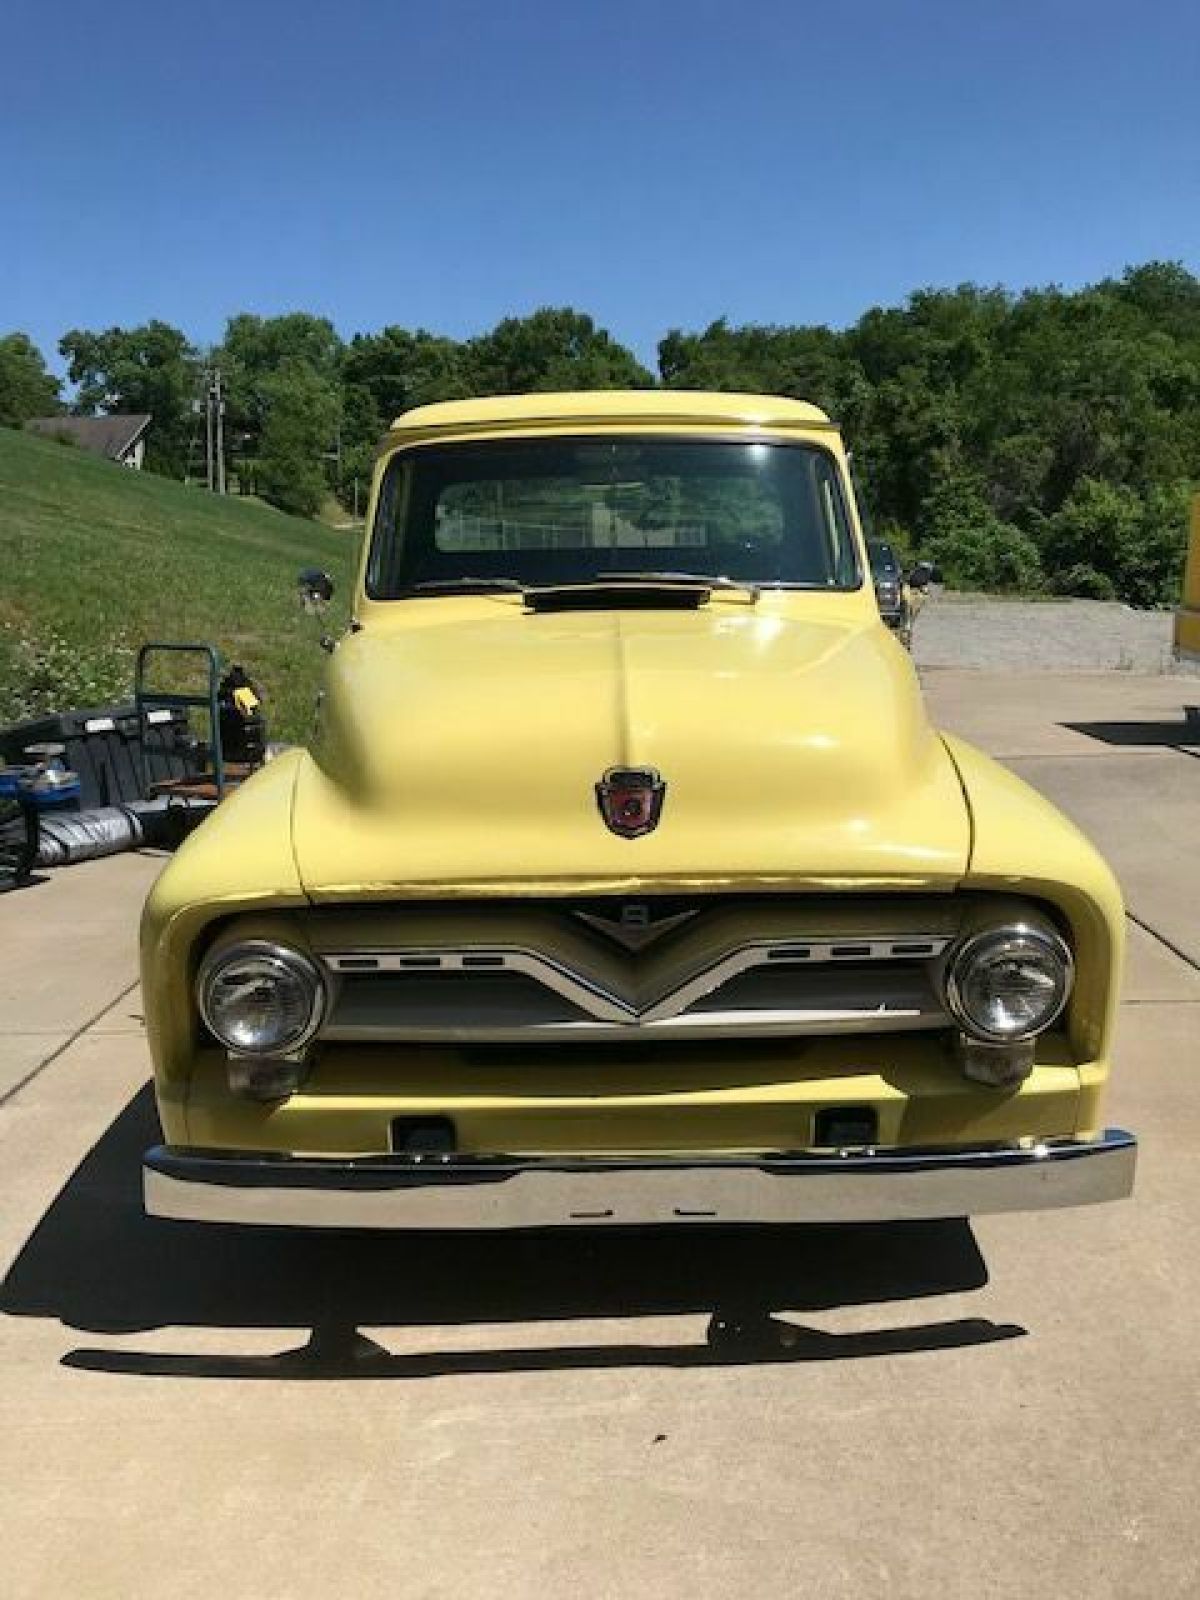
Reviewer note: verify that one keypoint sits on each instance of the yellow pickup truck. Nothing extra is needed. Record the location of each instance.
(1187, 618)
(625, 880)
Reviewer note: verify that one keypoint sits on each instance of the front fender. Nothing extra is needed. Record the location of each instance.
(1021, 843)
(240, 860)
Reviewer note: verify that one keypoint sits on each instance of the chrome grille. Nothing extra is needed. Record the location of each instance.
(495, 992)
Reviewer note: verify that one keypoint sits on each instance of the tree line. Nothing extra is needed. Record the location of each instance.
(1036, 441)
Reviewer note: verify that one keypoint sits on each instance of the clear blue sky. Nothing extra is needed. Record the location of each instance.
(656, 164)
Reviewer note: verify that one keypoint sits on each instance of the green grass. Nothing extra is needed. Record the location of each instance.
(95, 560)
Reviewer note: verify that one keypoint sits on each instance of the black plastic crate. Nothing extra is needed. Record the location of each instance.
(102, 744)
(18, 842)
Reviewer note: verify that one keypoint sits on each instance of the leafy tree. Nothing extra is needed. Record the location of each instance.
(400, 369)
(555, 348)
(254, 354)
(387, 373)
(1036, 439)
(255, 348)
(301, 414)
(26, 388)
(1016, 479)
(1040, 437)
(963, 535)
(803, 363)
(152, 368)
(1164, 291)
(384, 374)
(361, 428)
(1107, 537)
(1154, 576)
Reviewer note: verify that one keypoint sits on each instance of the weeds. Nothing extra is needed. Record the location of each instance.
(48, 672)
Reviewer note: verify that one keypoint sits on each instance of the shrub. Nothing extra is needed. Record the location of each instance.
(963, 535)
(1135, 542)
(1084, 582)
(990, 555)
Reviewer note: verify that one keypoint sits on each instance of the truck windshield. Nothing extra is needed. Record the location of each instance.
(565, 510)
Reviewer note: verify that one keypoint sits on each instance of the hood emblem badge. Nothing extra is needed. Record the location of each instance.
(631, 800)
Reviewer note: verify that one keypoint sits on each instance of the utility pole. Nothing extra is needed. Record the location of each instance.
(214, 430)
(219, 404)
(335, 455)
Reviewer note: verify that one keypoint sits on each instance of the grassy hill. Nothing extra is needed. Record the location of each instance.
(95, 559)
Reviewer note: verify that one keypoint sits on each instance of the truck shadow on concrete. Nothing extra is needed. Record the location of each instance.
(1181, 733)
(98, 1264)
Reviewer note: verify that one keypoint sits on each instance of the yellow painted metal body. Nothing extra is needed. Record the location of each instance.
(458, 744)
(1187, 618)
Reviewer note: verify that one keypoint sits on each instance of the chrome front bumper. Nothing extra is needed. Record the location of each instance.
(462, 1191)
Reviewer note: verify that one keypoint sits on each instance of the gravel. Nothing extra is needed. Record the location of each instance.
(960, 630)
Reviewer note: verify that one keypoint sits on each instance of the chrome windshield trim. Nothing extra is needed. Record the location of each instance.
(384, 582)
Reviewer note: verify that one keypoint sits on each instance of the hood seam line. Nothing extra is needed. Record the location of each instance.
(624, 721)
(967, 805)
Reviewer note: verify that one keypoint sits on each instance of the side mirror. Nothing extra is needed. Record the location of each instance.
(316, 590)
(923, 574)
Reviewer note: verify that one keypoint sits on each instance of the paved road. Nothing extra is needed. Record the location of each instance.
(995, 1410)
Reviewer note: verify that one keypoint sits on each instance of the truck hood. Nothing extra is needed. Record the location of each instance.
(460, 754)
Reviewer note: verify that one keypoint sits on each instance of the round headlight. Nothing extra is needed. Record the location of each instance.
(261, 999)
(1007, 984)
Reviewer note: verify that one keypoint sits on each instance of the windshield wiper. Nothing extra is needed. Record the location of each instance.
(708, 579)
(467, 585)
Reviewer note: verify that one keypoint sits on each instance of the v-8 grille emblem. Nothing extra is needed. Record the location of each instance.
(635, 923)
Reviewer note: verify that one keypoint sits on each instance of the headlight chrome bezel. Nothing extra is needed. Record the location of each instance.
(1008, 938)
(269, 951)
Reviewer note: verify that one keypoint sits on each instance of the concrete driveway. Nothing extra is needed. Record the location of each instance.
(998, 1409)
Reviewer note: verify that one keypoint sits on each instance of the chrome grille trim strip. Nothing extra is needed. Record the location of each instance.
(775, 953)
(606, 1006)
(710, 1025)
(580, 990)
